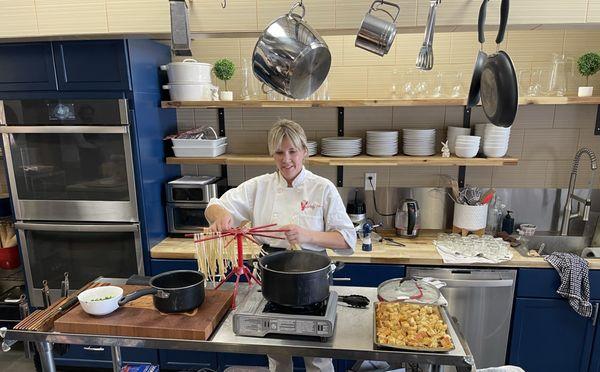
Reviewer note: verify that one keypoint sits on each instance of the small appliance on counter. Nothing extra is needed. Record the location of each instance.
(407, 221)
(187, 199)
(357, 212)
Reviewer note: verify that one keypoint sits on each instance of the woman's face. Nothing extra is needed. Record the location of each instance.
(289, 159)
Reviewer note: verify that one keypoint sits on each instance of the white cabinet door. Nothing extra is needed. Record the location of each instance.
(138, 16)
(71, 17)
(17, 18)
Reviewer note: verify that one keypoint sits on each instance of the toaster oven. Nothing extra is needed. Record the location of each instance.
(187, 199)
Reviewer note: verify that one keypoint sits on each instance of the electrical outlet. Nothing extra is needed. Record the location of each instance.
(373, 177)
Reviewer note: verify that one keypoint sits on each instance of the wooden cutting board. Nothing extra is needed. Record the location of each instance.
(139, 318)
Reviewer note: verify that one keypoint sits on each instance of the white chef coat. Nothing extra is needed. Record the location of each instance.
(312, 202)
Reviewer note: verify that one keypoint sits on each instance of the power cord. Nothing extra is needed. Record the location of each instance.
(375, 201)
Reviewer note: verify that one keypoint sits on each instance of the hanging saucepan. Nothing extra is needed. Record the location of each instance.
(473, 98)
(499, 89)
(291, 57)
(173, 291)
(296, 278)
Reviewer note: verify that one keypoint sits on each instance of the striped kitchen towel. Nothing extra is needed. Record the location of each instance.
(574, 280)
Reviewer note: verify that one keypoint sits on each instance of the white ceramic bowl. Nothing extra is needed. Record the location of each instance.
(474, 139)
(494, 152)
(466, 152)
(100, 300)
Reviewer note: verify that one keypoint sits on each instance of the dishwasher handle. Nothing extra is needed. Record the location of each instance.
(478, 283)
(475, 283)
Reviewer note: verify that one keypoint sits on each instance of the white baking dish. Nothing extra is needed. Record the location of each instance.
(189, 71)
(191, 92)
(199, 143)
(184, 152)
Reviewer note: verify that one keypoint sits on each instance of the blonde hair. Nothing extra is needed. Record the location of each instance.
(292, 130)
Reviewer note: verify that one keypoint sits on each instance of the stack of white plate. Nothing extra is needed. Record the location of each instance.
(312, 148)
(467, 146)
(495, 141)
(341, 146)
(382, 143)
(418, 142)
(453, 132)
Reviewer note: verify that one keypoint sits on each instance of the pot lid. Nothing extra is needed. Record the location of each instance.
(189, 61)
(408, 290)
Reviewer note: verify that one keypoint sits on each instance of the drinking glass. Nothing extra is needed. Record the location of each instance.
(535, 87)
(437, 85)
(457, 88)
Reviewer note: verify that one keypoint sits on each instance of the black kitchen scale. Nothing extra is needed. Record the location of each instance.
(258, 317)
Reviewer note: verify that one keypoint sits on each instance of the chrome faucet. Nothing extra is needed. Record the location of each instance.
(585, 214)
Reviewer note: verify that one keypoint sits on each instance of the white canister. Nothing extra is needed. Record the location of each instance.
(470, 217)
(189, 71)
(191, 92)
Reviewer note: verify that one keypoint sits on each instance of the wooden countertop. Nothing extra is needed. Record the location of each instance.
(418, 251)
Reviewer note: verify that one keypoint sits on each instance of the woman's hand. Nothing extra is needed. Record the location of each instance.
(297, 234)
(222, 223)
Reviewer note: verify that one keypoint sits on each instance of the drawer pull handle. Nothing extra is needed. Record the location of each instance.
(342, 279)
(91, 348)
(595, 315)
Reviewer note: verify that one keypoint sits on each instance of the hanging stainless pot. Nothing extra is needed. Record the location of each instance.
(291, 57)
(375, 34)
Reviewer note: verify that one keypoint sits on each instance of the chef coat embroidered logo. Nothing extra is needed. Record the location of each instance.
(305, 204)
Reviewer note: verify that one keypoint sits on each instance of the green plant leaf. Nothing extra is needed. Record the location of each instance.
(224, 69)
(588, 64)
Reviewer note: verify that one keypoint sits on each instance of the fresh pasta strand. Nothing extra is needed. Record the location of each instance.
(214, 257)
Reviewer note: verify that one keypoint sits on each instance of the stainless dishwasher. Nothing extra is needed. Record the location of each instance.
(482, 302)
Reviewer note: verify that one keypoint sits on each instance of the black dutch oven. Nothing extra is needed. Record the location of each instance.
(173, 291)
(296, 278)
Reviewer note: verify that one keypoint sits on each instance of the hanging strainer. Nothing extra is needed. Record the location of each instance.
(408, 290)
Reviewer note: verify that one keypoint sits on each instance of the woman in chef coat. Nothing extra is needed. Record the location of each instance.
(309, 206)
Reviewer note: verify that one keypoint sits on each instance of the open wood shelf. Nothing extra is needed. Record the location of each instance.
(362, 160)
(373, 102)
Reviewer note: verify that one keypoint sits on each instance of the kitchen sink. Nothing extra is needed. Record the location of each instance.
(555, 243)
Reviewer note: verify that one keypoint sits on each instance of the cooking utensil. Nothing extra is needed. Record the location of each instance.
(391, 241)
(45, 293)
(499, 88)
(487, 196)
(357, 301)
(425, 57)
(173, 291)
(376, 35)
(291, 57)
(64, 286)
(474, 89)
(296, 278)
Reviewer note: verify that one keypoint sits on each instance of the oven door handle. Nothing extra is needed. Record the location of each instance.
(76, 228)
(115, 129)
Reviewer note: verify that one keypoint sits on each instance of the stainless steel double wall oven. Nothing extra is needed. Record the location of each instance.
(71, 177)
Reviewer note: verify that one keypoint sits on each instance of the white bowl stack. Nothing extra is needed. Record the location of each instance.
(382, 143)
(312, 148)
(453, 132)
(495, 141)
(189, 81)
(343, 147)
(467, 146)
(418, 142)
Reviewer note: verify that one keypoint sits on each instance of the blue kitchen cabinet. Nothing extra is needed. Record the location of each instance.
(367, 275)
(547, 335)
(27, 67)
(91, 65)
(595, 361)
(187, 360)
(234, 359)
(100, 357)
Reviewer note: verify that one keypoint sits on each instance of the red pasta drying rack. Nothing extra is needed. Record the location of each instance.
(239, 234)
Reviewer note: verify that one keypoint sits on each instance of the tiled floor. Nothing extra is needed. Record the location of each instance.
(14, 360)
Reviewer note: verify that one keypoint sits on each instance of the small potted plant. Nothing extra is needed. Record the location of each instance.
(223, 70)
(588, 64)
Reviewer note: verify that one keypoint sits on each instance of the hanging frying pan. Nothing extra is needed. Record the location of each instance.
(473, 98)
(499, 90)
